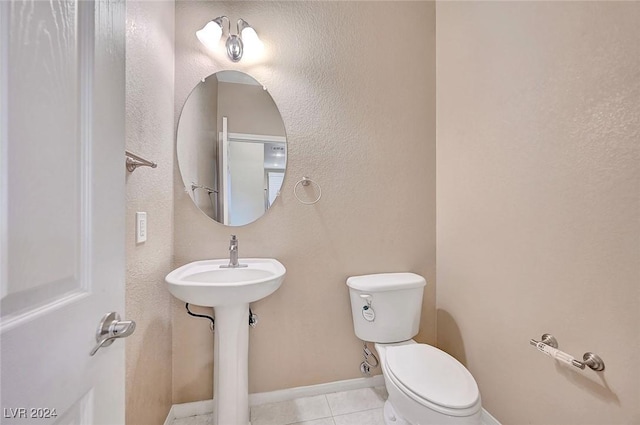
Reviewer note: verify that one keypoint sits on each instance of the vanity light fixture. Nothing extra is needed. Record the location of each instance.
(246, 37)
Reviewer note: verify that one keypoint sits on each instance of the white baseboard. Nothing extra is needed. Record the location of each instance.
(195, 408)
(313, 390)
(170, 417)
(487, 419)
(184, 410)
(204, 407)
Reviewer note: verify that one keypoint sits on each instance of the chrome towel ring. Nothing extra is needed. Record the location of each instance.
(306, 181)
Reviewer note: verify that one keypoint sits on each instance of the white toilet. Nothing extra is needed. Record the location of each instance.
(426, 386)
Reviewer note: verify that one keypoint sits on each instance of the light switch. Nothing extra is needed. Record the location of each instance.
(141, 227)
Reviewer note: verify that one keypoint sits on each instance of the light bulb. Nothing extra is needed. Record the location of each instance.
(251, 41)
(210, 34)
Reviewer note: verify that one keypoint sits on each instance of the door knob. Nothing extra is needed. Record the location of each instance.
(111, 328)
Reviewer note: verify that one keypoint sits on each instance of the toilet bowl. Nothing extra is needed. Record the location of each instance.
(426, 386)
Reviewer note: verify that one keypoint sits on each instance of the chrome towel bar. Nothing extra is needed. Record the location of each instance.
(134, 161)
(195, 186)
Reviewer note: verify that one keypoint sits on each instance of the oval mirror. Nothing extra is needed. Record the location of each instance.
(232, 148)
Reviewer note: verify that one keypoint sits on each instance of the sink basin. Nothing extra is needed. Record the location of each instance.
(205, 283)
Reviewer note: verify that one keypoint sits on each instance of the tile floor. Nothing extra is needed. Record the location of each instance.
(355, 407)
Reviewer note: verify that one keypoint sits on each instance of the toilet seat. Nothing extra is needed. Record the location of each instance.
(433, 378)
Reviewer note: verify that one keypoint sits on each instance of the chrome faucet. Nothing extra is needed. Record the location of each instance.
(233, 254)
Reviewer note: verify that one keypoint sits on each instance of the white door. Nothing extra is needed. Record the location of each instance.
(62, 209)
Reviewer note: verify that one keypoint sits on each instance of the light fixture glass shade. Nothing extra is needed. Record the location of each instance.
(210, 34)
(251, 41)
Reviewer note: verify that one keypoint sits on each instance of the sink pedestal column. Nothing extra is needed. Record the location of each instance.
(231, 365)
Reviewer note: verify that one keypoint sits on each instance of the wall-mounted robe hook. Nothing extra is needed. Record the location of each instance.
(134, 161)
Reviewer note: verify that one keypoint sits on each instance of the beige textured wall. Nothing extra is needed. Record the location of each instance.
(358, 99)
(538, 128)
(150, 126)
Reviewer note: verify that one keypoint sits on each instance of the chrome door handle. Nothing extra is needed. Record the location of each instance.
(111, 328)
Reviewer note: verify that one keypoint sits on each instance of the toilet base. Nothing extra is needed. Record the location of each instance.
(391, 417)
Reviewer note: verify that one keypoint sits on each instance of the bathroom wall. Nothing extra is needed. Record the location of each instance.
(150, 126)
(357, 96)
(538, 128)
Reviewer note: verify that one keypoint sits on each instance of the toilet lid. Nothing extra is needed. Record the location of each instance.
(433, 375)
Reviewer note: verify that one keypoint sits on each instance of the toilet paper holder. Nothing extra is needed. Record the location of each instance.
(549, 346)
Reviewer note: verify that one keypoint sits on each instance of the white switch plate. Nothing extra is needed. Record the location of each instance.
(141, 227)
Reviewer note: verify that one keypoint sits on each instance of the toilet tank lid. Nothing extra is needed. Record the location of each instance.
(386, 282)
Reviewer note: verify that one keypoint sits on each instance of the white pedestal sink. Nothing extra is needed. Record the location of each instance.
(229, 291)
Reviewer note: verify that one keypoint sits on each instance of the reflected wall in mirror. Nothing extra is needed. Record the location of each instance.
(232, 148)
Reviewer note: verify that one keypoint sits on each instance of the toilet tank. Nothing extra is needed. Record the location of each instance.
(386, 307)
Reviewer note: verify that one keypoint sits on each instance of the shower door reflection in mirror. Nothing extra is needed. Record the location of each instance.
(254, 166)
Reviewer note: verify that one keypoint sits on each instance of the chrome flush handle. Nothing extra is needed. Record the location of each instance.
(111, 328)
